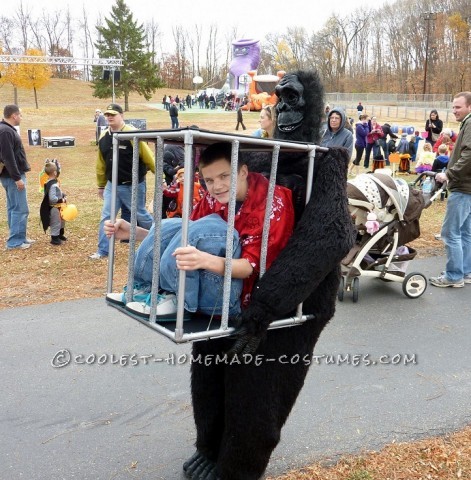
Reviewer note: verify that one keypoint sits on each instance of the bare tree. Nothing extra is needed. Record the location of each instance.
(153, 35)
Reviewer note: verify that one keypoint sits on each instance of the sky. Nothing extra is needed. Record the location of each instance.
(272, 16)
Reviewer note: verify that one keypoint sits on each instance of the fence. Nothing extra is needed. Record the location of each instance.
(388, 106)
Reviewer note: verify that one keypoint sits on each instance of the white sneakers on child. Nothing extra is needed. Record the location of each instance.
(166, 306)
(139, 294)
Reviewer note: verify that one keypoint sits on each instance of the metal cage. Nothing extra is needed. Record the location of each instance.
(198, 327)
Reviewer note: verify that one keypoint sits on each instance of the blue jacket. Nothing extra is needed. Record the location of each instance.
(342, 137)
(361, 131)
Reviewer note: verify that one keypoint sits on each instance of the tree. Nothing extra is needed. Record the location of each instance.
(31, 75)
(121, 37)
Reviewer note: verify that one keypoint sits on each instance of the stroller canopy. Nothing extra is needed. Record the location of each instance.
(385, 195)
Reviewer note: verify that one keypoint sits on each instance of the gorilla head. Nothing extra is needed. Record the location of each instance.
(300, 107)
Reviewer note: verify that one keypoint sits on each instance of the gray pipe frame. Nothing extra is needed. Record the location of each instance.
(188, 137)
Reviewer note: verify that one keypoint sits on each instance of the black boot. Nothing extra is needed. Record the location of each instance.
(55, 240)
(61, 235)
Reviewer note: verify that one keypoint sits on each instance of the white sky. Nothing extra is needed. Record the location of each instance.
(254, 19)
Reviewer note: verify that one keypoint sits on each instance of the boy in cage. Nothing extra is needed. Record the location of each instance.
(203, 258)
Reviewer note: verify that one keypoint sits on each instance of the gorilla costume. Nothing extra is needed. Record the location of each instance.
(240, 408)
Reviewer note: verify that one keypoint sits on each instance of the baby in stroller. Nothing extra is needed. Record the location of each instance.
(386, 213)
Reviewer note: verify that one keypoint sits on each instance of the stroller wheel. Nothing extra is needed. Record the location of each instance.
(341, 289)
(355, 288)
(414, 285)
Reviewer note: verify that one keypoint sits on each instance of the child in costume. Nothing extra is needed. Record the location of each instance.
(53, 199)
(175, 192)
(426, 159)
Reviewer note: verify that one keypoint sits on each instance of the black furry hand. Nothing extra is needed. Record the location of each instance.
(251, 327)
(246, 343)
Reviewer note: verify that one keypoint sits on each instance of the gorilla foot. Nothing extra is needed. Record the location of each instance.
(199, 467)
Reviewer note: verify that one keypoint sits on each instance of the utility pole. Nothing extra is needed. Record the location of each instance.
(428, 17)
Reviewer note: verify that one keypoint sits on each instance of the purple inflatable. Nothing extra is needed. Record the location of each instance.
(245, 57)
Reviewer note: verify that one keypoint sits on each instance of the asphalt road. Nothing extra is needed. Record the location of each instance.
(115, 420)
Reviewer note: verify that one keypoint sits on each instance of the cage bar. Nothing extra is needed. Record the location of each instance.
(199, 327)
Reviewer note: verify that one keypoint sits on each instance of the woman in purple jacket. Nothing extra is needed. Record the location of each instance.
(362, 129)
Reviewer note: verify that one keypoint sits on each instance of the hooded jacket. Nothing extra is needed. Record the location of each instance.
(342, 137)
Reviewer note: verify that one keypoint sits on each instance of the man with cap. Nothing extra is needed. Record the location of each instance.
(115, 118)
(100, 121)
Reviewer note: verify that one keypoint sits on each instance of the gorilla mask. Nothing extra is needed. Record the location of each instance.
(299, 93)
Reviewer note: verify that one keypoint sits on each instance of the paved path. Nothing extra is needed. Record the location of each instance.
(94, 422)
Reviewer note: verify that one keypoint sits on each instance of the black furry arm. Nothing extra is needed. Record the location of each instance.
(322, 238)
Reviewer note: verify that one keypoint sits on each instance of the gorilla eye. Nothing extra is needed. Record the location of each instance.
(292, 98)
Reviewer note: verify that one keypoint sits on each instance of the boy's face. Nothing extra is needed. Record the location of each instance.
(217, 177)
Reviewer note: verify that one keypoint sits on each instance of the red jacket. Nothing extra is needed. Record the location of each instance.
(249, 224)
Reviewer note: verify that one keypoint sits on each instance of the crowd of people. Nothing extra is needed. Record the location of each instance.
(439, 149)
(374, 142)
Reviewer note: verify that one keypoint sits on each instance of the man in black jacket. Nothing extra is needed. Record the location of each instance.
(13, 167)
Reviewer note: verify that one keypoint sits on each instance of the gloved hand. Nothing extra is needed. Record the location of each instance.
(251, 329)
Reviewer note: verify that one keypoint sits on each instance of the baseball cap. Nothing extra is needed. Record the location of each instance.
(114, 109)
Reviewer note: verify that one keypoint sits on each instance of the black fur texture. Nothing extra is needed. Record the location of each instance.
(240, 406)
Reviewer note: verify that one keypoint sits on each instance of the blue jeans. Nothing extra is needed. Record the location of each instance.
(174, 120)
(456, 234)
(123, 197)
(17, 211)
(203, 289)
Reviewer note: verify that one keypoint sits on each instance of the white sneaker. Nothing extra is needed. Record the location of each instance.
(467, 278)
(443, 282)
(139, 294)
(166, 306)
(23, 246)
(30, 241)
(97, 256)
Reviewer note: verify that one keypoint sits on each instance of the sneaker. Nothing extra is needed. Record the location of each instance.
(23, 246)
(30, 241)
(467, 278)
(442, 281)
(139, 294)
(97, 256)
(166, 306)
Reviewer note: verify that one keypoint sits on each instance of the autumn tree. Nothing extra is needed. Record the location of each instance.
(121, 37)
(31, 75)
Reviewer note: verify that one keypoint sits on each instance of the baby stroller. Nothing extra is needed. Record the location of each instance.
(386, 213)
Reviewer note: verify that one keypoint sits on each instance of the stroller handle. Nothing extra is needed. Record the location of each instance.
(436, 191)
